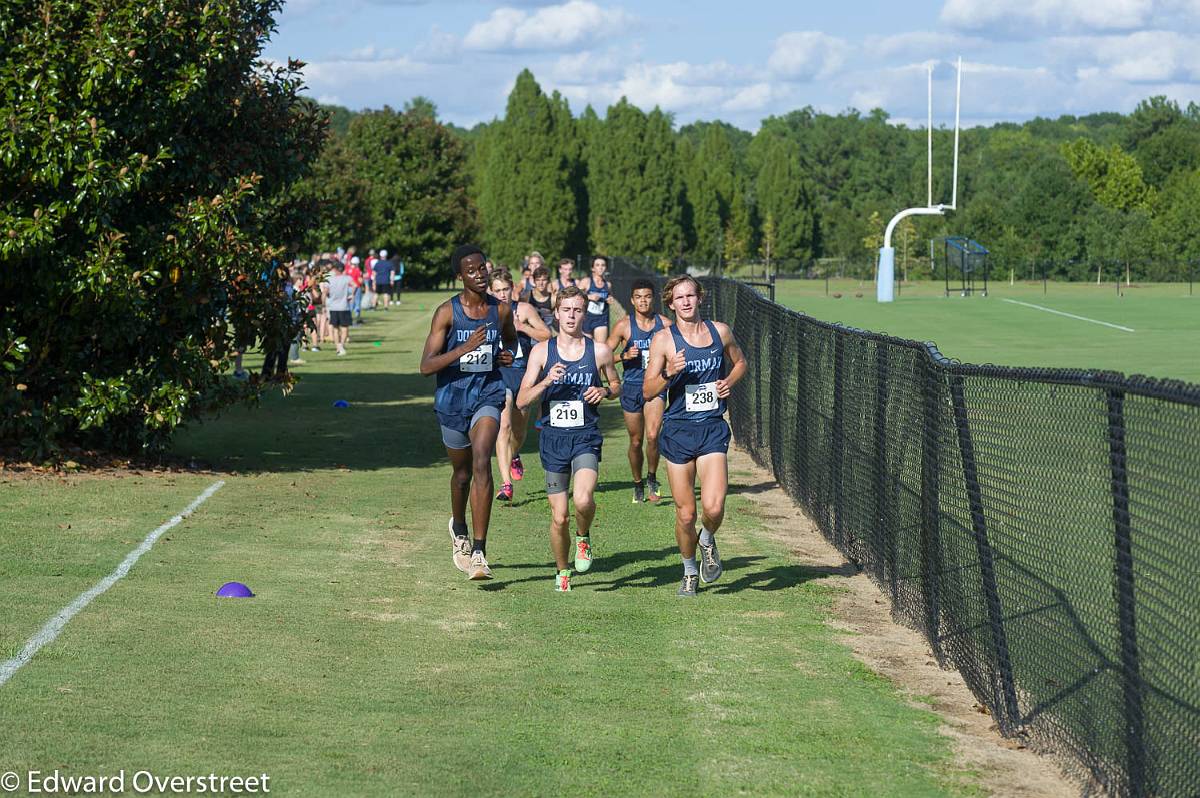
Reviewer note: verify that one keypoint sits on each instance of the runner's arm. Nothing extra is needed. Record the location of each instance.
(604, 359)
(529, 321)
(433, 359)
(508, 335)
(531, 388)
(734, 353)
(655, 381)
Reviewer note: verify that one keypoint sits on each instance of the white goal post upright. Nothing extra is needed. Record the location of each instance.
(884, 281)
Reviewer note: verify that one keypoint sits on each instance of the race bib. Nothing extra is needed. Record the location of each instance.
(595, 308)
(699, 398)
(566, 413)
(645, 358)
(476, 360)
(520, 352)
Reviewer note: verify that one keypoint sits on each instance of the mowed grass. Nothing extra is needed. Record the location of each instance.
(1164, 318)
(367, 665)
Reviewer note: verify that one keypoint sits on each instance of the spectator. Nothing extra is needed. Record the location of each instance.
(356, 277)
(339, 293)
(381, 280)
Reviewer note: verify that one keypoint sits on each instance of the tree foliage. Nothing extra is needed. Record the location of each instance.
(146, 155)
(529, 183)
(395, 181)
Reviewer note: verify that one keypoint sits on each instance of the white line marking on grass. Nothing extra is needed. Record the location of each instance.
(1070, 315)
(55, 625)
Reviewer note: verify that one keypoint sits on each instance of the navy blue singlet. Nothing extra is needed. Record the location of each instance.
(563, 408)
(474, 379)
(635, 370)
(692, 394)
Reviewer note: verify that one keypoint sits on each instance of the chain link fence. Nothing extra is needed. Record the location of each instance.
(1039, 526)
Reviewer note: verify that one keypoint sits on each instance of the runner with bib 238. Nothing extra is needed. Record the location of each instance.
(697, 362)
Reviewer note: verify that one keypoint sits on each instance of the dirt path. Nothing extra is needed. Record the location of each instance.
(1006, 767)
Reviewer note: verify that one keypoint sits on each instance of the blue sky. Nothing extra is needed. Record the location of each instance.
(741, 61)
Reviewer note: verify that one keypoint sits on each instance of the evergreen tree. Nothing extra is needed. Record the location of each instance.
(710, 191)
(636, 195)
(785, 194)
(528, 199)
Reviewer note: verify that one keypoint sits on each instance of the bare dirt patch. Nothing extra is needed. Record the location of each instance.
(1006, 767)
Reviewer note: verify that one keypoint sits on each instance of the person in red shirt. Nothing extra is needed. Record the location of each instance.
(355, 273)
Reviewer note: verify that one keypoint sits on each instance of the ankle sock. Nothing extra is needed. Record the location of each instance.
(460, 529)
(706, 537)
(689, 567)
(479, 545)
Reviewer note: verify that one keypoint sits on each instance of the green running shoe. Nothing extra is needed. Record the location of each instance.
(583, 554)
(562, 582)
(639, 493)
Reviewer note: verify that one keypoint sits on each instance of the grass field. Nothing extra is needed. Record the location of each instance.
(367, 666)
(1164, 318)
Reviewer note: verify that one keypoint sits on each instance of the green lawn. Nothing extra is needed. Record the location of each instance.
(367, 665)
(1164, 318)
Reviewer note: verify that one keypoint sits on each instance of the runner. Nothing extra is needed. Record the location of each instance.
(564, 373)
(463, 349)
(565, 279)
(698, 362)
(514, 421)
(541, 297)
(642, 418)
(599, 295)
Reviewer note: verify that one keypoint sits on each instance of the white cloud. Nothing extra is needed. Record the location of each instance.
(323, 76)
(680, 86)
(1028, 18)
(752, 98)
(807, 55)
(560, 27)
(921, 44)
(1142, 57)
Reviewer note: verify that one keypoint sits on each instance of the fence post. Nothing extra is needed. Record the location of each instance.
(1131, 678)
(802, 421)
(1009, 718)
(838, 440)
(885, 535)
(931, 545)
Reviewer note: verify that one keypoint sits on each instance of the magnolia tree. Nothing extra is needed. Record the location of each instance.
(146, 150)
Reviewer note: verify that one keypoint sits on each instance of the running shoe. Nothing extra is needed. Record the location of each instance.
(652, 493)
(461, 549)
(639, 493)
(314, 349)
(517, 468)
(562, 582)
(583, 554)
(479, 567)
(688, 586)
(505, 493)
(710, 562)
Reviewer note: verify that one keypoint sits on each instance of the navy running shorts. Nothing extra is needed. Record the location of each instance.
(683, 441)
(590, 322)
(559, 447)
(631, 397)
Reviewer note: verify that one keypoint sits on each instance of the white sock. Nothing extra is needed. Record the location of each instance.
(706, 537)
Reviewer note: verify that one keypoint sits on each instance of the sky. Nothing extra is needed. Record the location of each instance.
(744, 60)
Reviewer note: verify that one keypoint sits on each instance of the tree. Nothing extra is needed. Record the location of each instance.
(710, 188)
(785, 194)
(636, 194)
(145, 216)
(1114, 177)
(528, 199)
(414, 175)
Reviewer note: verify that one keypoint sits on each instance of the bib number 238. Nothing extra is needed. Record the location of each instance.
(566, 413)
(699, 398)
(476, 360)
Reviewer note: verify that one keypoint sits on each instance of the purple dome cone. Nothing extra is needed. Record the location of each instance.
(234, 590)
(341, 403)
